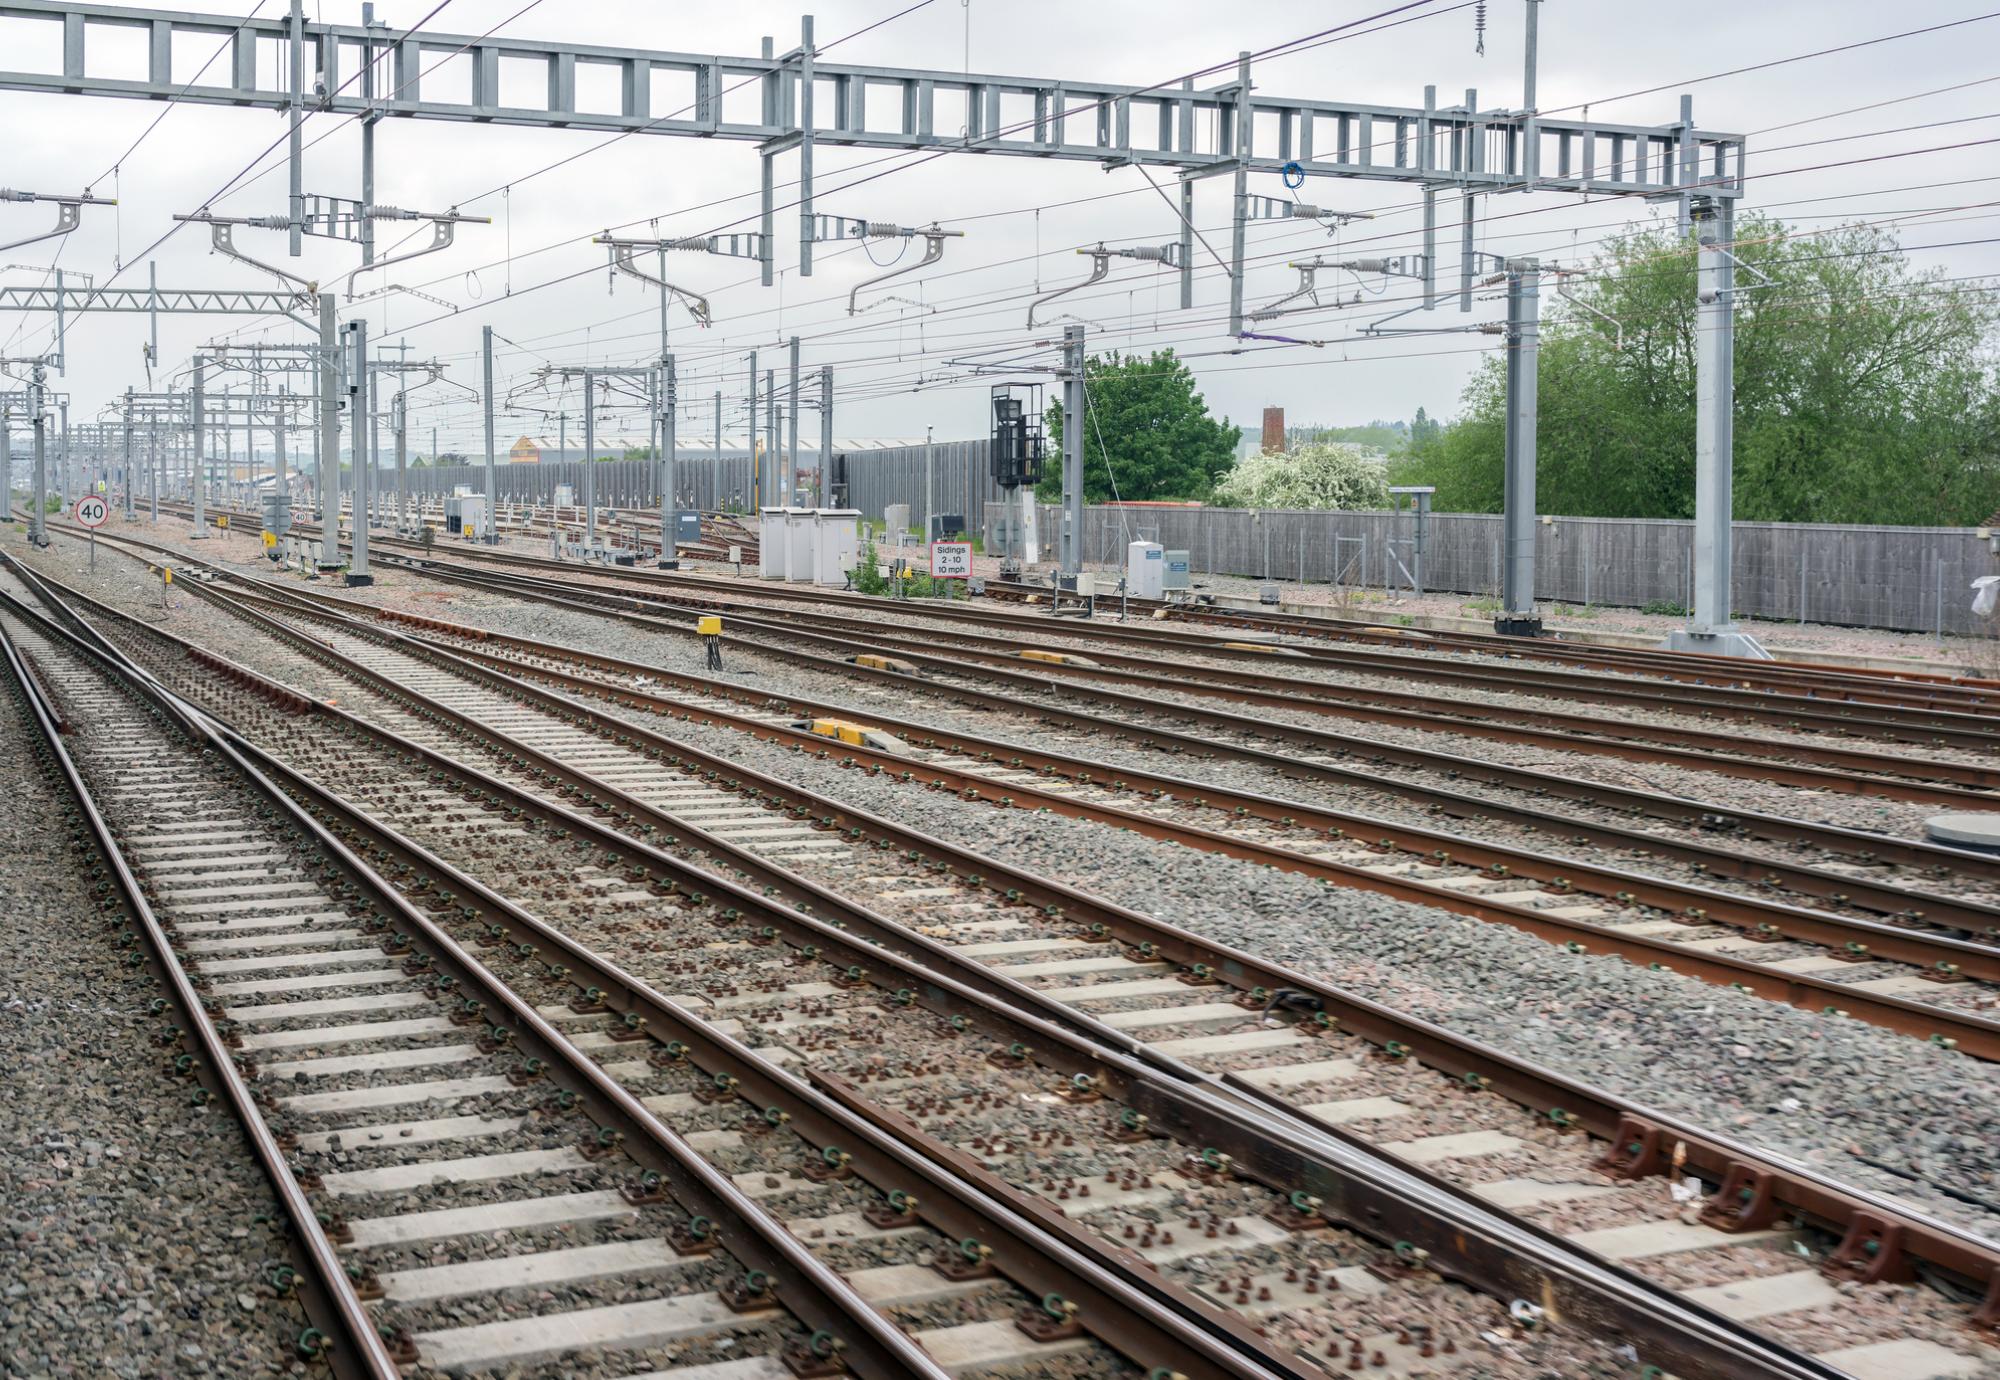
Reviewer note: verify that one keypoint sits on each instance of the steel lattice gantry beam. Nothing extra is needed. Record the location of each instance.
(1192, 130)
(153, 299)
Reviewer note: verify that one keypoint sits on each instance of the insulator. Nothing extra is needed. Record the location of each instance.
(1371, 266)
(701, 244)
(1301, 211)
(882, 229)
(1479, 26)
(1150, 253)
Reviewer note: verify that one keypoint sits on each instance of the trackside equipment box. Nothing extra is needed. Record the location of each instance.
(773, 549)
(836, 545)
(463, 513)
(1177, 576)
(1145, 569)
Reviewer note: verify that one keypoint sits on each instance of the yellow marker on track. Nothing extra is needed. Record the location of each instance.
(1057, 658)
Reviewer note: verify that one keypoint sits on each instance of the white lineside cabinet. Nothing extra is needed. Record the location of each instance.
(837, 547)
(773, 544)
(799, 533)
(1145, 569)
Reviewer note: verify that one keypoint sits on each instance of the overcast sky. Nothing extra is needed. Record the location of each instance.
(534, 277)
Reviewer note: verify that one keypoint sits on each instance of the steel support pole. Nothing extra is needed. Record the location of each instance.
(361, 447)
(757, 499)
(825, 465)
(130, 515)
(1070, 549)
(6, 466)
(281, 489)
(670, 503)
(1187, 245)
(399, 415)
(1711, 625)
(718, 449)
(767, 204)
(62, 464)
(329, 436)
(791, 474)
(297, 105)
(492, 479)
(1241, 214)
(773, 442)
(367, 226)
(805, 146)
(158, 459)
(37, 516)
(589, 461)
(198, 478)
(1517, 607)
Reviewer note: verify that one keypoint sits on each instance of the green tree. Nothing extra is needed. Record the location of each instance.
(1148, 435)
(1865, 391)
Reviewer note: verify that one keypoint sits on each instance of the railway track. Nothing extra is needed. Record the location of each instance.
(1818, 684)
(1800, 678)
(1803, 696)
(1808, 958)
(1869, 709)
(1280, 1068)
(1804, 765)
(1950, 998)
(573, 1189)
(1333, 756)
(1715, 680)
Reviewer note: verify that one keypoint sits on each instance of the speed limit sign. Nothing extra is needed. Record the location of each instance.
(91, 511)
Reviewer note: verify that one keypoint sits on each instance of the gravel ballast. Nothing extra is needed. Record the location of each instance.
(135, 1227)
(1830, 1091)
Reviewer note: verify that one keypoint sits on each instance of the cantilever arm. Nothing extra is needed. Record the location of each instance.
(1100, 264)
(444, 229)
(622, 262)
(222, 237)
(69, 213)
(934, 239)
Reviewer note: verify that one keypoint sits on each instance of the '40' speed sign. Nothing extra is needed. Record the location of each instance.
(91, 511)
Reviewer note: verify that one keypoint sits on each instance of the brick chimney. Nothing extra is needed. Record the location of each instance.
(1274, 428)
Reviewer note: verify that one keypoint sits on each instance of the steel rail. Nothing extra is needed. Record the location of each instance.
(1362, 708)
(1897, 722)
(1968, 1031)
(996, 666)
(1868, 685)
(811, 1290)
(1856, 684)
(1359, 1187)
(1640, 1135)
(1766, 920)
(1699, 666)
(354, 1349)
(1568, 732)
(1972, 1033)
(1867, 847)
